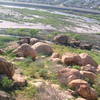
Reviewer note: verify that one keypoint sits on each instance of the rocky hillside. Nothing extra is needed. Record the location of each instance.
(36, 69)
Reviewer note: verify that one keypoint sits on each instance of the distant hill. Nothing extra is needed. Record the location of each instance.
(93, 4)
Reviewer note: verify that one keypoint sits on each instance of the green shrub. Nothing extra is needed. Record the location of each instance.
(76, 67)
(33, 32)
(6, 83)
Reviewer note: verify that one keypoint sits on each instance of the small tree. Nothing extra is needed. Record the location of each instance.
(33, 32)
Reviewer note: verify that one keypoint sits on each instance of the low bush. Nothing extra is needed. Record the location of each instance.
(6, 83)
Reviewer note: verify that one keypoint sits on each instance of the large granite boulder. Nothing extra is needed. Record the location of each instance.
(43, 48)
(6, 67)
(25, 50)
(66, 75)
(86, 59)
(87, 92)
(71, 59)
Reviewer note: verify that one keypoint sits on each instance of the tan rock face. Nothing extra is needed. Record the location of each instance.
(56, 58)
(98, 69)
(89, 68)
(71, 59)
(87, 92)
(19, 80)
(61, 39)
(55, 55)
(86, 59)
(25, 50)
(66, 75)
(5, 96)
(42, 48)
(33, 41)
(6, 68)
(91, 76)
(80, 98)
(1, 51)
(76, 83)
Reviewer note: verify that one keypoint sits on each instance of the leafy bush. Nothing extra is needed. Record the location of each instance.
(6, 83)
(76, 67)
(33, 32)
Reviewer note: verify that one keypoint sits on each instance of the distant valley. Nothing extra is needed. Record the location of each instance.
(91, 4)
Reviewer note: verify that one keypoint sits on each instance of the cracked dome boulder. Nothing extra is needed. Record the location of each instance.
(66, 75)
(71, 59)
(89, 68)
(42, 48)
(87, 92)
(25, 50)
(88, 75)
(76, 83)
(86, 59)
(6, 67)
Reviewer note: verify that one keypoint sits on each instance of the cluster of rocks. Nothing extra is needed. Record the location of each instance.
(67, 41)
(31, 47)
(76, 79)
(59, 39)
(73, 78)
(7, 69)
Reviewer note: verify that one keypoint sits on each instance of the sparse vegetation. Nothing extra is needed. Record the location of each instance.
(6, 39)
(97, 84)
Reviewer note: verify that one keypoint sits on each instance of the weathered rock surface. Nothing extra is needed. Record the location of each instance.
(76, 83)
(88, 75)
(52, 92)
(71, 59)
(86, 59)
(6, 67)
(89, 68)
(25, 50)
(66, 75)
(87, 92)
(98, 70)
(19, 79)
(1, 51)
(56, 58)
(80, 98)
(55, 55)
(5, 96)
(33, 41)
(42, 48)
(61, 39)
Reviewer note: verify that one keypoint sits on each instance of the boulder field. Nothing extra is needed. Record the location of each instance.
(79, 81)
